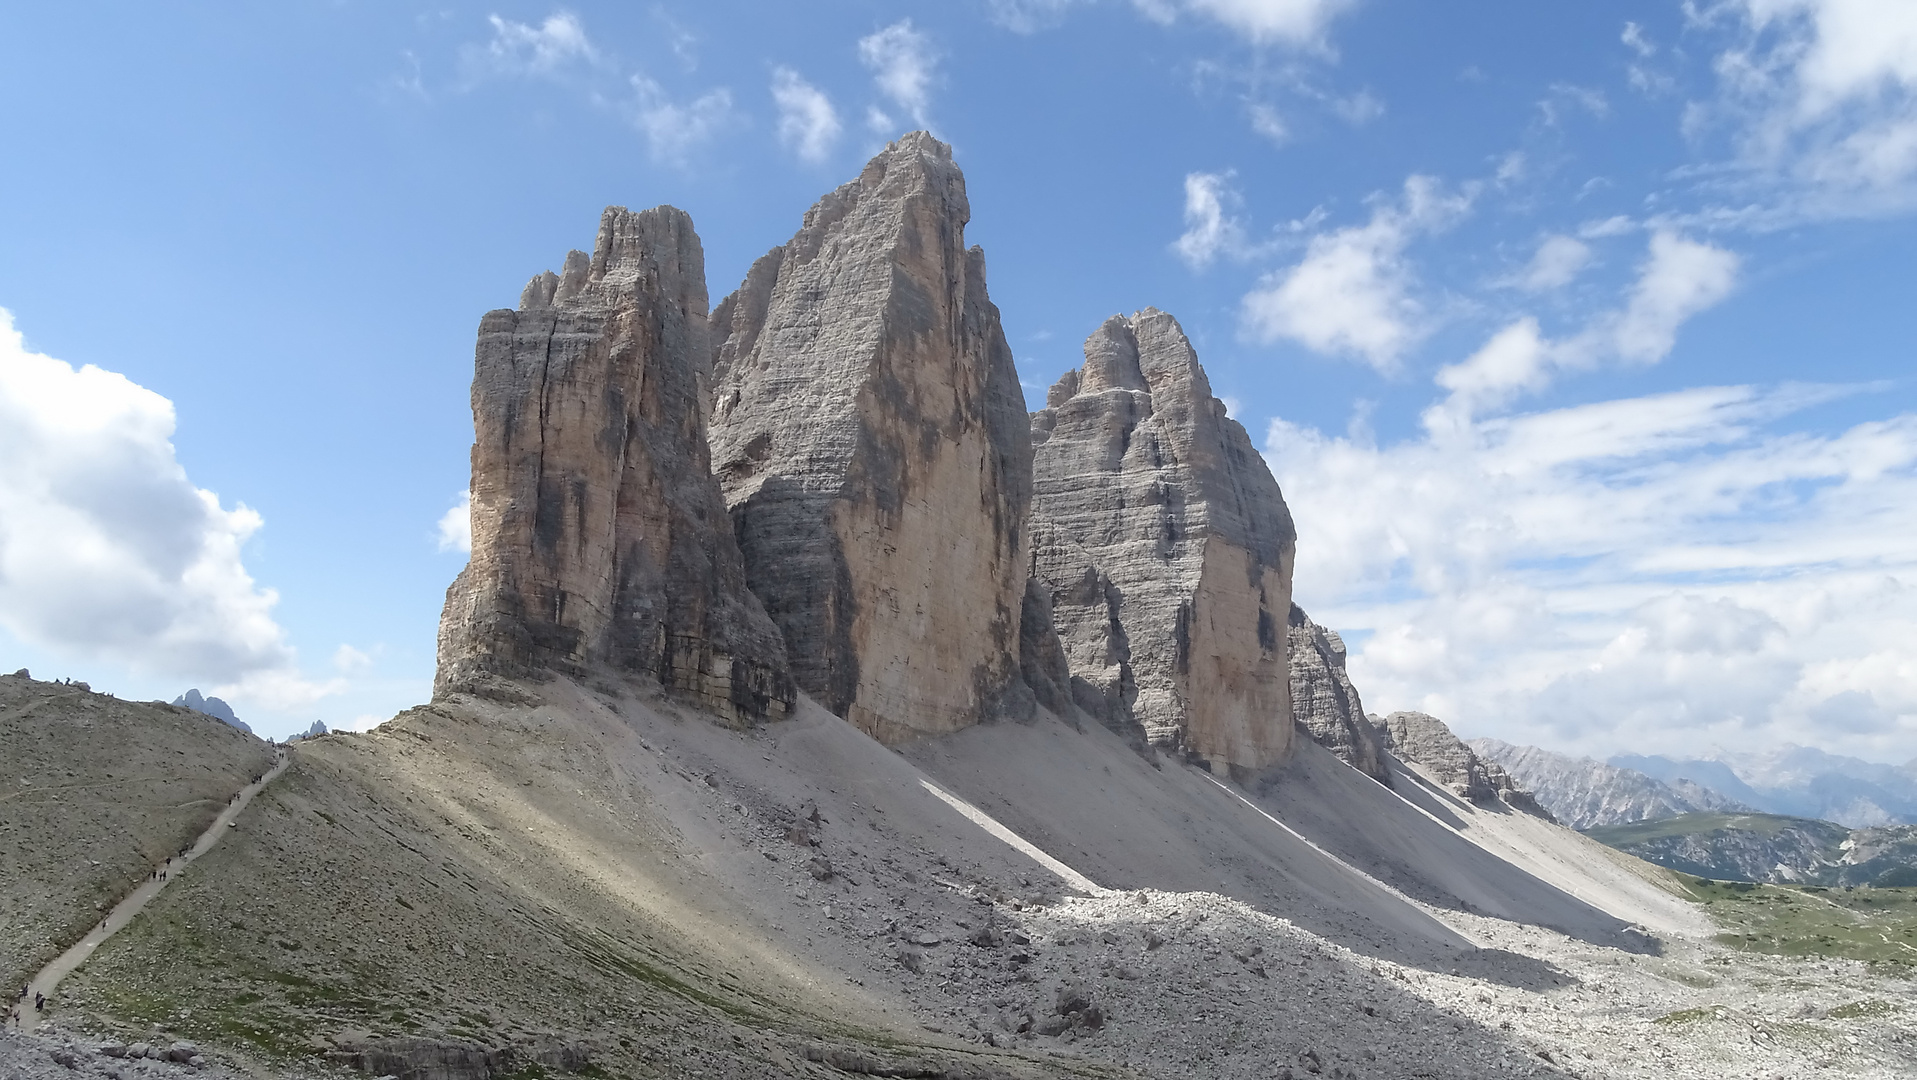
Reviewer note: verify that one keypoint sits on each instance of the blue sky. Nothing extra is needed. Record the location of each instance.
(1578, 334)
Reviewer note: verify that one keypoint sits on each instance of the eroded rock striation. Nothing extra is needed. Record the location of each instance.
(1326, 704)
(1424, 739)
(1166, 548)
(871, 437)
(599, 533)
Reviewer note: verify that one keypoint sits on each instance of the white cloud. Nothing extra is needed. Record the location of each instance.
(521, 49)
(1351, 294)
(1825, 93)
(808, 124)
(1261, 22)
(1266, 121)
(1210, 230)
(456, 526)
(347, 660)
(903, 66)
(1657, 573)
(1557, 262)
(1565, 96)
(1029, 16)
(1678, 279)
(674, 130)
(108, 552)
(1634, 39)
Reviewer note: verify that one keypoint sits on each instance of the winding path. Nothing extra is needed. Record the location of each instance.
(123, 912)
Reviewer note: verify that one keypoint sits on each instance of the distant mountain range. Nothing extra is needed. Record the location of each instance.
(1798, 781)
(1584, 794)
(1795, 782)
(1771, 848)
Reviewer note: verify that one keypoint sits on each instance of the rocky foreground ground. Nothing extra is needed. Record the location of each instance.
(606, 883)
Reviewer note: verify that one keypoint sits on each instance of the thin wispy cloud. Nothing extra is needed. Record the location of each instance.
(1261, 22)
(1821, 96)
(1678, 278)
(516, 49)
(903, 66)
(1211, 229)
(808, 124)
(675, 129)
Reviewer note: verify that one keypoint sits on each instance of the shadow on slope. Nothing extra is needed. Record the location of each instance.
(1449, 852)
(1086, 798)
(604, 881)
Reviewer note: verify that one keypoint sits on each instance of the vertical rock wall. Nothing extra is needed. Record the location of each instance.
(1167, 550)
(599, 533)
(1326, 704)
(871, 437)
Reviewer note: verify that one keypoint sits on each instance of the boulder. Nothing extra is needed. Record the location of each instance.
(1324, 702)
(599, 534)
(869, 432)
(1166, 548)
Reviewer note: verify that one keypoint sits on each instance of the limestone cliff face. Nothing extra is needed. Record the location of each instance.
(599, 534)
(1167, 549)
(1424, 739)
(871, 437)
(1325, 703)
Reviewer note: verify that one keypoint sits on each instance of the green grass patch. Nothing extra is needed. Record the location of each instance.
(1690, 1016)
(1877, 926)
(1861, 1010)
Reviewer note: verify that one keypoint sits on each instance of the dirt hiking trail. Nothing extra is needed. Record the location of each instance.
(21, 1013)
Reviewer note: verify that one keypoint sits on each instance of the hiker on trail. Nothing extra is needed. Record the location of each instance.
(39, 1002)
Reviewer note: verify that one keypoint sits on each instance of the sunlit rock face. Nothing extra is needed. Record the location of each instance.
(870, 434)
(600, 536)
(1167, 550)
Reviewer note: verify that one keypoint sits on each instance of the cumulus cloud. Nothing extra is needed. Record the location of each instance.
(456, 526)
(1210, 228)
(808, 124)
(1261, 22)
(518, 48)
(1660, 572)
(109, 552)
(1351, 293)
(674, 130)
(903, 67)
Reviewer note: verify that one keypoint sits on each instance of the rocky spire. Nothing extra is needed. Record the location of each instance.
(1424, 739)
(1167, 550)
(599, 534)
(871, 438)
(1326, 704)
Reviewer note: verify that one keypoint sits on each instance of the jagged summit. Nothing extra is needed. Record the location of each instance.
(1166, 548)
(599, 535)
(211, 706)
(870, 435)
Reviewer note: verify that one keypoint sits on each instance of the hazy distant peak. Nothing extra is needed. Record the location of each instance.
(211, 706)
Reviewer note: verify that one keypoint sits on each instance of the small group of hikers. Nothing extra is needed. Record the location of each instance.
(39, 1004)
